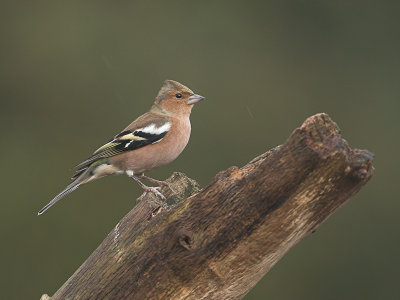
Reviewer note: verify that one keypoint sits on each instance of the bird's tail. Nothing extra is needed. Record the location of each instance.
(83, 175)
(69, 189)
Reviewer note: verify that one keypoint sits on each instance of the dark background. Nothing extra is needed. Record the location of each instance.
(74, 73)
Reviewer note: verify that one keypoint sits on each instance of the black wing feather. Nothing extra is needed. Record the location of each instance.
(120, 145)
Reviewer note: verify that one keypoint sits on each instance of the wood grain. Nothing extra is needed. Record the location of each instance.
(218, 242)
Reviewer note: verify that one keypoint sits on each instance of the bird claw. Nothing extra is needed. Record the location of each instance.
(159, 182)
(155, 190)
(151, 189)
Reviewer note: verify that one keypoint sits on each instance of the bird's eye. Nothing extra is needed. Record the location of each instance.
(178, 95)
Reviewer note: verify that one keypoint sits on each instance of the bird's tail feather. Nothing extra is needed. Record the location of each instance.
(83, 176)
(69, 189)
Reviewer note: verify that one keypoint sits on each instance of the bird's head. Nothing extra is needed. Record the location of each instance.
(175, 98)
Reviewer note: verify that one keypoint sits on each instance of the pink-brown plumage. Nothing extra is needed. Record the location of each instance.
(153, 140)
(159, 154)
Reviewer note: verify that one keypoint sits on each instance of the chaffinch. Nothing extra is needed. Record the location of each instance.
(154, 139)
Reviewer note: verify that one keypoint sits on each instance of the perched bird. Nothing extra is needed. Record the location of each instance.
(154, 139)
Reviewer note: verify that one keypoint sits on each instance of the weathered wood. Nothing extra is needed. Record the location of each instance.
(219, 242)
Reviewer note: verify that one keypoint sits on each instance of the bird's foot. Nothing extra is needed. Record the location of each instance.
(155, 190)
(146, 188)
(158, 182)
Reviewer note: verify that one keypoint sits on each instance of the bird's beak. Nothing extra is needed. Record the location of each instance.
(194, 99)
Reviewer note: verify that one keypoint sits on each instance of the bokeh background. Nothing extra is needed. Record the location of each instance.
(74, 73)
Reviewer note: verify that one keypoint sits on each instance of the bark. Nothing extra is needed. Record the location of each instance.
(218, 242)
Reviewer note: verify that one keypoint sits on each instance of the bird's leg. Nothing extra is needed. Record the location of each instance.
(158, 182)
(146, 188)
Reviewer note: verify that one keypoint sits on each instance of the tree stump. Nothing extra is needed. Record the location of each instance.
(218, 242)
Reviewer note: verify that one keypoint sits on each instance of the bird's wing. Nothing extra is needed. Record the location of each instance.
(135, 136)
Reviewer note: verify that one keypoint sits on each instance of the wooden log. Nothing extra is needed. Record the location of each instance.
(218, 242)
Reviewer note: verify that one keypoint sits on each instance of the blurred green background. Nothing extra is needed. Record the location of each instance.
(75, 73)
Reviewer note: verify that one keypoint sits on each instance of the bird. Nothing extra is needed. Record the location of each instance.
(154, 139)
